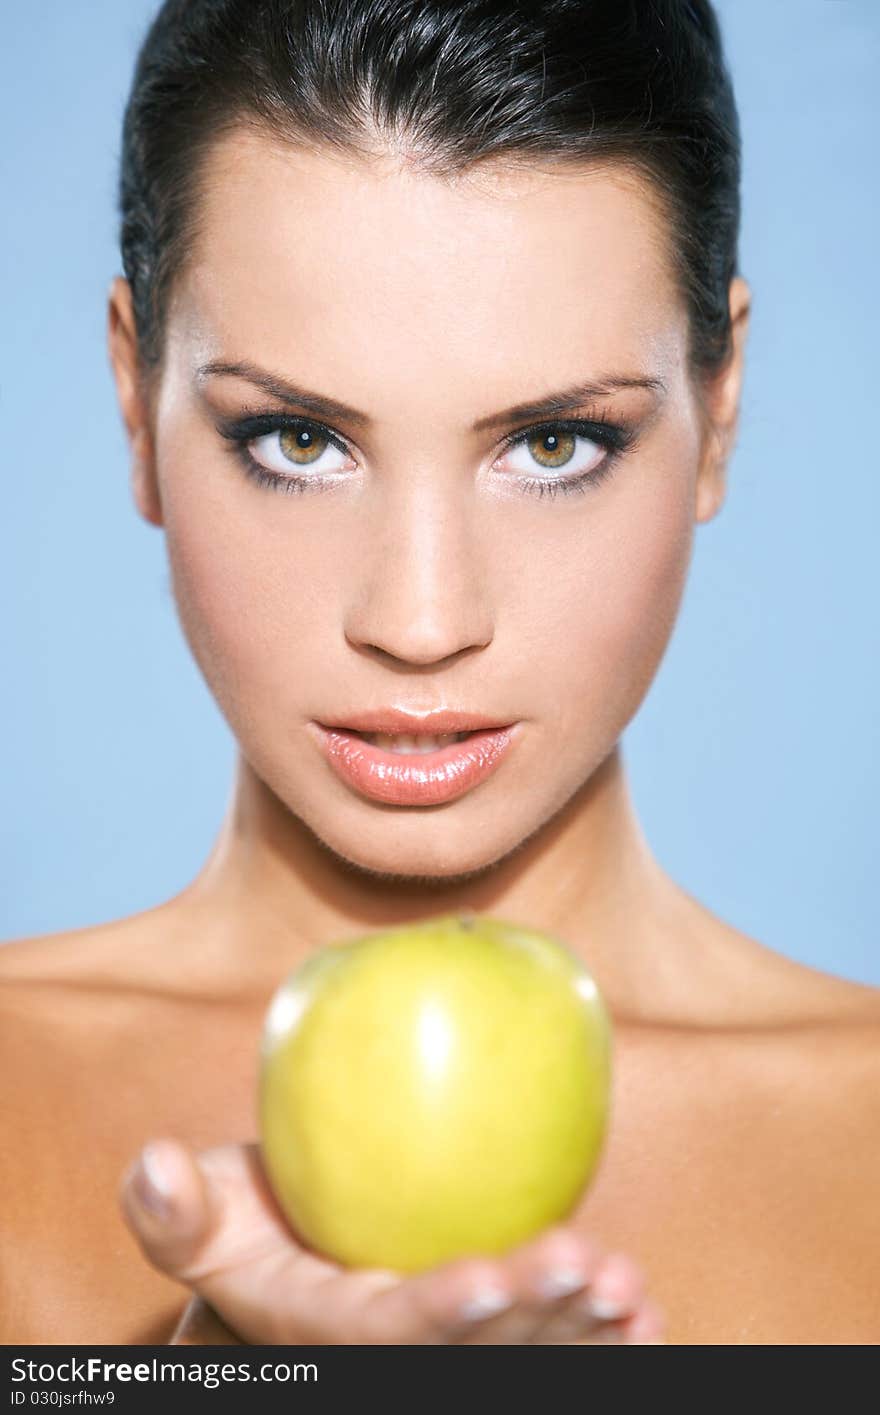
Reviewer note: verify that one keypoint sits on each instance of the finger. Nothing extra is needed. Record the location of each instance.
(542, 1275)
(480, 1301)
(200, 1325)
(211, 1222)
(467, 1303)
(602, 1311)
(575, 1322)
(168, 1205)
(378, 1307)
(566, 1291)
(647, 1327)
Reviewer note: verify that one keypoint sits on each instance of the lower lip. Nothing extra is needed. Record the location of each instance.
(412, 779)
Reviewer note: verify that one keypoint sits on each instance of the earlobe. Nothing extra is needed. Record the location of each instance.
(143, 480)
(721, 408)
(133, 404)
(711, 484)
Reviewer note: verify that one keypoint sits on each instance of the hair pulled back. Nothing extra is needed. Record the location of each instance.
(640, 82)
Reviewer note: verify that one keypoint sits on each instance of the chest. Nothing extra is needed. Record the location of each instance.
(749, 1224)
(71, 1270)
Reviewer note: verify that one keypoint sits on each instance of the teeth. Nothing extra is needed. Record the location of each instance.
(406, 744)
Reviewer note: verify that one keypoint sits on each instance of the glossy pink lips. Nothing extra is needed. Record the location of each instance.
(414, 780)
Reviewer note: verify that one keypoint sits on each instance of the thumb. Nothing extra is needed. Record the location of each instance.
(169, 1206)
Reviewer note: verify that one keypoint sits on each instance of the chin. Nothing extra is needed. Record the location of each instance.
(417, 868)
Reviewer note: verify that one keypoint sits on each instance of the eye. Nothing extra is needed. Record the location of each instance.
(552, 449)
(296, 445)
(296, 454)
(583, 450)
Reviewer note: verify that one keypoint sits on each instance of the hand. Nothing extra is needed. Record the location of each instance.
(212, 1222)
(199, 1325)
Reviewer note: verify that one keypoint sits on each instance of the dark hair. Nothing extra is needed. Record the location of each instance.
(640, 82)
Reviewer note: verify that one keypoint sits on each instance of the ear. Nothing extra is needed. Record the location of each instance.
(720, 398)
(133, 402)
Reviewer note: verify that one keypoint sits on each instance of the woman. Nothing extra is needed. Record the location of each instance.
(460, 282)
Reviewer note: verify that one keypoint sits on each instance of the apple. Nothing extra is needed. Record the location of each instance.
(433, 1090)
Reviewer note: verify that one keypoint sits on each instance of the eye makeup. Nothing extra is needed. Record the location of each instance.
(242, 432)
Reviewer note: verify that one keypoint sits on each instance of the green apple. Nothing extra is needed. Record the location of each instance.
(433, 1090)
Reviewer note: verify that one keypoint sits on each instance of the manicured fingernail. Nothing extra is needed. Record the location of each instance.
(560, 1282)
(605, 1308)
(485, 1303)
(152, 1184)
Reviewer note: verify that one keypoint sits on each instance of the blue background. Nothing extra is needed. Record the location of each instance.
(753, 760)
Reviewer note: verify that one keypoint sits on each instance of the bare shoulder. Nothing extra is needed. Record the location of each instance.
(79, 1095)
(800, 1047)
(105, 970)
(68, 999)
(763, 1112)
(815, 1064)
(818, 1113)
(825, 1026)
(765, 986)
(65, 1000)
(76, 956)
(839, 1001)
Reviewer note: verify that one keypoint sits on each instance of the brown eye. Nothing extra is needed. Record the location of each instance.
(552, 449)
(301, 446)
(298, 445)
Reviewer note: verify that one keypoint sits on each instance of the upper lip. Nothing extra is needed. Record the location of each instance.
(395, 720)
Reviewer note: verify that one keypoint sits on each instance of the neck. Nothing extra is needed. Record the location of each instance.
(271, 893)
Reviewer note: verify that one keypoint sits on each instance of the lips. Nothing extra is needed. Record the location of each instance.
(407, 743)
(418, 779)
(435, 722)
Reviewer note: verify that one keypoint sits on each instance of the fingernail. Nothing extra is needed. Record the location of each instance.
(485, 1303)
(605, 1308)
(560, 1282)
(152, 1184)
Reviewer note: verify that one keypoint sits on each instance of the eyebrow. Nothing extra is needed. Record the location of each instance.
(329, 408)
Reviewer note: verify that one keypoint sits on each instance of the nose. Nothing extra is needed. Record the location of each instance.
(421, 596)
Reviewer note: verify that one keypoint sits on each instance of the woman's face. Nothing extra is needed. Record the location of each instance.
(421, 566)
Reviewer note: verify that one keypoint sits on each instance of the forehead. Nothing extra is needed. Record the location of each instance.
(304, 257)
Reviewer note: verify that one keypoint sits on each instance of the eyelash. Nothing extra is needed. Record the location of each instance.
(615, 438)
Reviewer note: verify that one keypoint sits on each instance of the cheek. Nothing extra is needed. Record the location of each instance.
(619, 606)
(255, 596)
